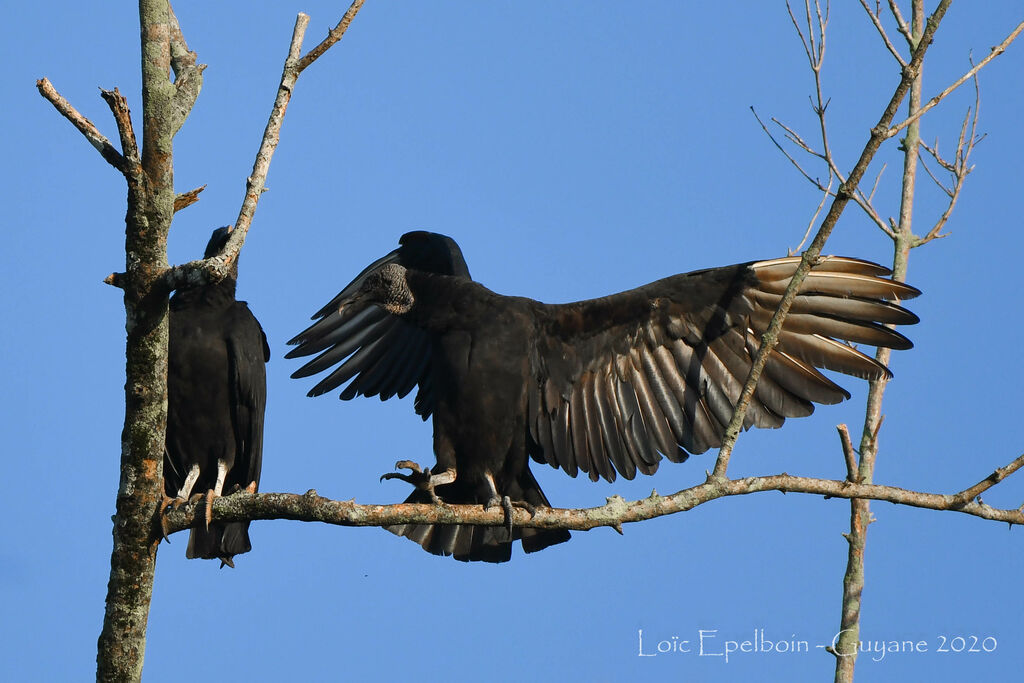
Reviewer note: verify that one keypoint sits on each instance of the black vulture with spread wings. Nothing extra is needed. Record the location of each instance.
(216, 395)
(605, 386)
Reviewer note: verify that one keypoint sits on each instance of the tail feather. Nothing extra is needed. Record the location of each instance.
(468, 543)
(219, 542)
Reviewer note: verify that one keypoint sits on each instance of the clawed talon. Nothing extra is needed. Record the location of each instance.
(507, 506)
(208, 517)
(166, 503)
(404, 465)
(421, 478)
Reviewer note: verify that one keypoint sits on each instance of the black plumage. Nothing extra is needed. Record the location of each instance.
(606, 386)
(216, 395)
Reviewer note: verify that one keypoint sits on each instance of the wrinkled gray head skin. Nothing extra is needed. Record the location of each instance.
(388, 288)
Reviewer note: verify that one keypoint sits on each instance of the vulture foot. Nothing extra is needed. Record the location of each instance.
(164, 504)
(507, 505)
(421, 478)
(208, 512)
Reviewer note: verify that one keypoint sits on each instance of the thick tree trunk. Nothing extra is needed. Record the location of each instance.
(122, 643)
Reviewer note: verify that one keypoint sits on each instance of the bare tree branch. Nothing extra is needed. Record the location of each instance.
(815, 59)
(796, 164)
(129, 144)
(877, 21)
(901, 24)
(217, 267)
(849, 456)
(959, 169)
(996, 51)
(826, 193)
(860, 510)
(185, 199)
(333, 36)
(310, 507)
(845, 192)
(84, 125)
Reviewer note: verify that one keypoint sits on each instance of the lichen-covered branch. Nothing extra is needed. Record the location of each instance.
(310, 507)
(188, 79)
(122, 642)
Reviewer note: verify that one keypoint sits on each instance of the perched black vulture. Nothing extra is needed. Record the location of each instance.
(216, 393)
(600, 386)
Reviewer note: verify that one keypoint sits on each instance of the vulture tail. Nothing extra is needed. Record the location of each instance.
(469, 543)
(219, 542)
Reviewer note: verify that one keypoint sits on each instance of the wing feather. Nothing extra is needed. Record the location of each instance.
(658, 370)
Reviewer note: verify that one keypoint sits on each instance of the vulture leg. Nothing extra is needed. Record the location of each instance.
(179, 500)
(506, 504)
(215, 492)
(421, 478)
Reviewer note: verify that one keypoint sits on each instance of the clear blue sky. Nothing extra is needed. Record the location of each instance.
(573, 149)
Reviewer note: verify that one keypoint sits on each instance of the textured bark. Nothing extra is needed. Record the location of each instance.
(311, 507)
(860, 510)
(122, 643)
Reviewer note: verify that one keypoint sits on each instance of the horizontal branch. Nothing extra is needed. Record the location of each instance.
(311, 507)
(84, 125)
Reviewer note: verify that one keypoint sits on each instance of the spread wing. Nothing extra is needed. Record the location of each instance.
(385, 355)
(619, 381)
(248, 353)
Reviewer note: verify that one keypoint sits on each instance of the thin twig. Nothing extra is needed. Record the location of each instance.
(931, 175)
(849, 456)
(796, 164)
(877, 21)
(988, 482)
(826, 193)
(959, 169)
(901, 24)
(333, 36)
(996, 51)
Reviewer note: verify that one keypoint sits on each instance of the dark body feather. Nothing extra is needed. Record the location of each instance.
(606, 386)
(216, 395)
